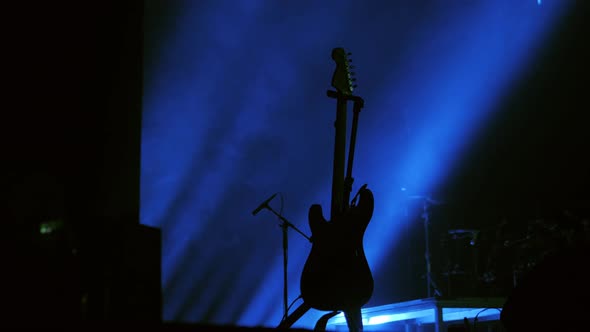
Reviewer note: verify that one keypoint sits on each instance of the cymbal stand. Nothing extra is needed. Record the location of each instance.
(430, 284)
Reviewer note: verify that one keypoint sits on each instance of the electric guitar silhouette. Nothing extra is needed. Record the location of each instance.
(336, 276)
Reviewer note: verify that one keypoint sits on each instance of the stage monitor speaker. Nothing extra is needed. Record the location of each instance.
(122, 275)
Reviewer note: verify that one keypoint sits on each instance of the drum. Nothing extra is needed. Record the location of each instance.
(460, 264)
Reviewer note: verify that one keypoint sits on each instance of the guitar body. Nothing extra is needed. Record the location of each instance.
(336, 275)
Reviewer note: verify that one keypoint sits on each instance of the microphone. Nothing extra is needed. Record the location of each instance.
(263, 205)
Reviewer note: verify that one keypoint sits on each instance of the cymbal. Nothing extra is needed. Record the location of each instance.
(426, 199)
(462, 231)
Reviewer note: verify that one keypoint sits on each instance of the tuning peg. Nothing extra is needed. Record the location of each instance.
(354, 86)
(352, 73)
(353, 79)
(349, 60)
(351, 67)
(349, 53)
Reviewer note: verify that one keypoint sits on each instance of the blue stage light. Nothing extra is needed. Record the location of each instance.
(235, 108)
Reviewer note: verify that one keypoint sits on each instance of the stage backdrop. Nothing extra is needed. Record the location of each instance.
(461, 101)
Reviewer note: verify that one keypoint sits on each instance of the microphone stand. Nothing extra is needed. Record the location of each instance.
(430, 284)
(285, 224)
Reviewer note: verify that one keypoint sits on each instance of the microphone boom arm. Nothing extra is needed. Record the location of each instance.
(286, 223)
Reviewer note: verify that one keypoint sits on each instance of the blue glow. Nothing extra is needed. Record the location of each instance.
(235, 109)
(454, 314)
(418, 312)
(388, 318)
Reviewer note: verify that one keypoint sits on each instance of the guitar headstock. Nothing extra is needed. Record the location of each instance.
(343, 77)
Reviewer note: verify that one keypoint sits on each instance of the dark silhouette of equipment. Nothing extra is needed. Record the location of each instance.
(336, 276)
(77, 252)
(431, 286)
(285, 224)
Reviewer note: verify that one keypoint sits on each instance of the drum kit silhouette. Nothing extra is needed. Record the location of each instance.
(492, 260)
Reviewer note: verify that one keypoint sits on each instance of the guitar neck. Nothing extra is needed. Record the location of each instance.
(358, 104)
(342, 81)
(338, 204)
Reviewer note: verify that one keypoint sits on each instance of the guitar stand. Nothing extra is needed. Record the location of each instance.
(341, 185)
(354, 323)
(320, 325)
(353, 318)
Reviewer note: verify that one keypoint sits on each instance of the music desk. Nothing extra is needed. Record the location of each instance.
(429, 314)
